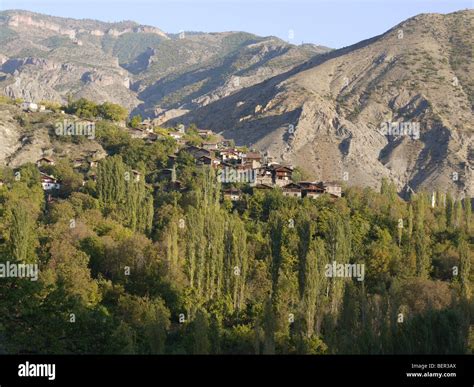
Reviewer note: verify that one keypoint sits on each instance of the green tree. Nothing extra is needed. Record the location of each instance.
(201, 343)
(112, 112)
(422, 240)
(22, 240)
(135, 121)
(467, 213)
(465, 269)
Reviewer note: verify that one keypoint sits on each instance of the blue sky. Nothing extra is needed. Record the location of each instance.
(333, 23)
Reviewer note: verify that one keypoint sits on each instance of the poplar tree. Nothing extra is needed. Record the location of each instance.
(269, 328)
(171, 242)
(338, 240)
(410, 221)
(467, 213)
(465, 269)
(314, 287)
(22, 239)
(111, 178)
(205, 228)
(422, 241)
(201, 343)
(449, 211)
(235, 260)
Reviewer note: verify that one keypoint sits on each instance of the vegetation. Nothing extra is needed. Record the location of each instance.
(89, 110)
(136, 121)
(127, 265)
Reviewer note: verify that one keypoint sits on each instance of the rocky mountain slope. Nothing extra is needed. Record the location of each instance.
(140, 67)
(331, 115)
(26, 137)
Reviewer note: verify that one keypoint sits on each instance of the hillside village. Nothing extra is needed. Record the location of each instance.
(236, 167)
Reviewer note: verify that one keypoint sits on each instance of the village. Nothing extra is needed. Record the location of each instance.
(259, 171)
(235, 167)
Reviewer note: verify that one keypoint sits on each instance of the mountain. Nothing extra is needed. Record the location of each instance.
(324, 110)
(140, 67)
(330, 115)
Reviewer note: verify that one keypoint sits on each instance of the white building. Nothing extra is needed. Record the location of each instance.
(177, 135)
(29, 106)
(49, 182)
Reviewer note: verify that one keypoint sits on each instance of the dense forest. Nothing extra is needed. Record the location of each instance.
(132, 266)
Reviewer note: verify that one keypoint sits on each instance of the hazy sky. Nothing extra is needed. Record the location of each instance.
(333, 23)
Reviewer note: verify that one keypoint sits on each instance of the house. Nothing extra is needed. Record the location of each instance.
(207, 160)
(49, 182)
(94, 157)
(246, 174)
(44, 161)
(209, 146)
(177, 135)
(197, 152)
(293, 190)
(225, 144)
(281, 175)
(254, 159)
(229, 155)
(264, 187)
(311, 189)
(249, 165)
(232, 194)
(138, 133)
(205, 132)
(236, 174)
(29, 106)
(264, 176)
(332, 188)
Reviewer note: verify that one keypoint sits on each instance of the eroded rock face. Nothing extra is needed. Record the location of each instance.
(97, 78)
(27, 21)
(10, 136)
(17, 64)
